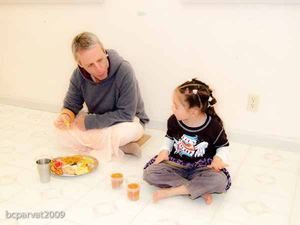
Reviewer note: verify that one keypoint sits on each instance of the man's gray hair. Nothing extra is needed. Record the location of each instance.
(84, 41)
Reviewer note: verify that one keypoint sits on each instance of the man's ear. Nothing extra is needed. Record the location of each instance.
(78, 63)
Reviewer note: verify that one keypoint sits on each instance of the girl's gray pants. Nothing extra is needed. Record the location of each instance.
(198, 181)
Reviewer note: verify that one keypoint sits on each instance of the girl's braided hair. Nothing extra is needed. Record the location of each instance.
(198, 94)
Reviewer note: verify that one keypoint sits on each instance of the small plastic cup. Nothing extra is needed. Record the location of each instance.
(133, 191)
(116, 180)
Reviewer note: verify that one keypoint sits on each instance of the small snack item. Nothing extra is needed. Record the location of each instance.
(56, 167)
(133, 192)
(69, 170)
(57, 164)
(116, 180)
(87, 161)
(57, 171)
(67, 123)
(83, 169)
(71, 159)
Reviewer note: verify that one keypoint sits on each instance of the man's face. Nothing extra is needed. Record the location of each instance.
(94, 61)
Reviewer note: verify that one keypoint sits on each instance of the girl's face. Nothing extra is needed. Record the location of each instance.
(179, 110)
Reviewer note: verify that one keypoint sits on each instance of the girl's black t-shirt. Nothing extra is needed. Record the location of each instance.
(194, 143)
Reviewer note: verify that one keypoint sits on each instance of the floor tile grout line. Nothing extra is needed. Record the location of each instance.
(217, 210)
(243, 161)
(262, 193)
(29, 187)
(140, 211)
(20, 167)
(90, 189)
(10, 200)
(238, 170)
(293, 199)
(248, 152)
(70, 221)
(269, 167)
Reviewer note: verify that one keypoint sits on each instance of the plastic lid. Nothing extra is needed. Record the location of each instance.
(133, 186)
(117, 175)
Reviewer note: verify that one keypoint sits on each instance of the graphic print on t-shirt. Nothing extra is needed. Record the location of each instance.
(186, 145)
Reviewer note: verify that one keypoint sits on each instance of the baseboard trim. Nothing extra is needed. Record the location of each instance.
(262, 140)
(30, 104)
(267, 141)
(156, 124)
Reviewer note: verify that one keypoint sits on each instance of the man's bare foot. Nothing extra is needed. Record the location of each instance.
(86, 148)
(132, 148)
(207, 198)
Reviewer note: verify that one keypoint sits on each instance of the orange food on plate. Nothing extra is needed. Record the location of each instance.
(57, 171)
(71, 159)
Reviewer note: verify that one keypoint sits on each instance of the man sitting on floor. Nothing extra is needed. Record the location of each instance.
(107, 84)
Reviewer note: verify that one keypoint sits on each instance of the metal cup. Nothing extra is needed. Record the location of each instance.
(43, 166)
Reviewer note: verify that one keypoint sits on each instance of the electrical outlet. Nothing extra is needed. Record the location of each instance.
(253, 102)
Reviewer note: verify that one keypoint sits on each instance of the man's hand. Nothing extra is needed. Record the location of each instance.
(217, 164)
(163, 155)
(80, 123)
(62, 121)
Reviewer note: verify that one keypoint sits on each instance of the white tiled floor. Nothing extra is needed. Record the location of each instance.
(265, 183)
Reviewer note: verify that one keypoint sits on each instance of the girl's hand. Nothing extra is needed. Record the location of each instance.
(163, 155)
(217, 164)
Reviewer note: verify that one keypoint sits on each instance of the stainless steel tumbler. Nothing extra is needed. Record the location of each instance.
(43, 166)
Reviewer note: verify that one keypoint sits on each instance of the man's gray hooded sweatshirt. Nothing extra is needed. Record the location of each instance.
(113, 100)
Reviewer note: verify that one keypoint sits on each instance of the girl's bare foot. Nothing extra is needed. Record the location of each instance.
(160, 194)
(168, 192)
(207, 198)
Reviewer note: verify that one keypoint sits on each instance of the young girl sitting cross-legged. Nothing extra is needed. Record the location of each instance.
(192, 161)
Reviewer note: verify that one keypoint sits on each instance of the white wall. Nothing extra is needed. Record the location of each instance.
(237, 49)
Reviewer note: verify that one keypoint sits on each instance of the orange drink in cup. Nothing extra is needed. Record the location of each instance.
(116, 180)
(133, 192)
